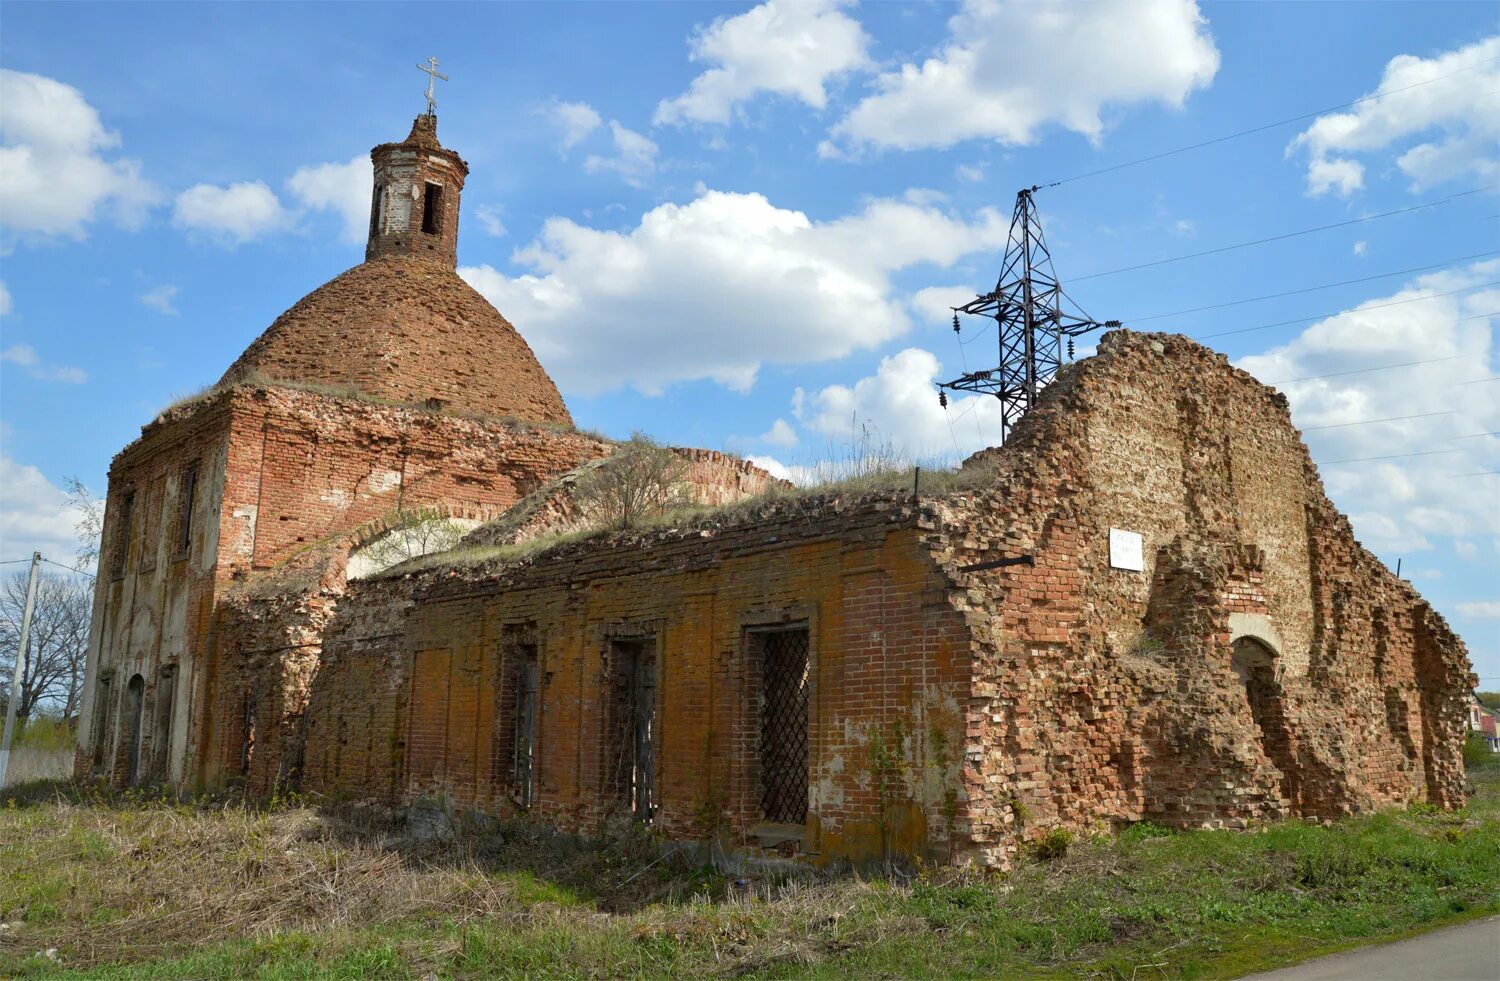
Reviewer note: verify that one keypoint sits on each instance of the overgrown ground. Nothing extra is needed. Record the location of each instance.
(133, 887)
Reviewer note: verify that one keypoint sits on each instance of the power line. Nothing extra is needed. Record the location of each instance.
(1266, 126)
(1367, 422)
(1383, 367)
(1360, 309)
(1392, 456)
(1275, 238)
(1313, 289)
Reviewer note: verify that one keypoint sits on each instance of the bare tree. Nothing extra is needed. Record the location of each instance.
(414, 533)
(639, 480)
(90, 525)
(53, 675)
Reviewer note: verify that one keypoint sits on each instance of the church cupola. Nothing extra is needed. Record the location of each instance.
(414, 202)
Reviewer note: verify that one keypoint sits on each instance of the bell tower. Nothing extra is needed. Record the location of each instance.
(414, 202)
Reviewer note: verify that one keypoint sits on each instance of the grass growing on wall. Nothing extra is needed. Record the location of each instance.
(128, 886)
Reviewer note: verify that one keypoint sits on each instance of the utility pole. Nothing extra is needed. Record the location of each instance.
(15, 682)
(1030, 319)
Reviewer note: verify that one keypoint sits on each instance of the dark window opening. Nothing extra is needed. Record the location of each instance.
(121, 556)
(523, 740)
(185, 514)
(630, 750)
(783, 723)
(135, 699)
(377, 204)
(432, 213)
(1255, 665)
(102, 706)
(247, 740)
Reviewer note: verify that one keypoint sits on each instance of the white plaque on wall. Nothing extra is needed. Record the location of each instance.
(1125, 551)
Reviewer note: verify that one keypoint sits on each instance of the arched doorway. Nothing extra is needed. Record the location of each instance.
(1254, 662)
(135, 702)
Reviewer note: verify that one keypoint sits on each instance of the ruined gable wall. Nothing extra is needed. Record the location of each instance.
(1104, 695)
(888, 674)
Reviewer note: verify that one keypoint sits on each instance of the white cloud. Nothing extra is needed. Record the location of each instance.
(786, 48)
(159, 298)
(1481, 610)
(54, 177)
(714, 288)
(781, 433)
(804, 476)
(1454, 113)
(634, 158)
(34, 515)
(898, 406)
(1010, 67)
(1401, 503)
(5, 301)
(574, 121)
(934, 305)
(343, 188)
(233, 214)
(969, 173)
(25, 356)
(1184, 228)
(1465, 549)
(490, 220)
(1360, 247)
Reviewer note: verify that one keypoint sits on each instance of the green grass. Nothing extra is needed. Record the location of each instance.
(127, 886)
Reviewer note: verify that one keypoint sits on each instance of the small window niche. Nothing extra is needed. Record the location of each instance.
(432, 209)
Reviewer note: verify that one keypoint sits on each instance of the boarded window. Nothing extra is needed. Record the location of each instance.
(523, 759)
(135, 703)
(161, 729)
(630, 744)
(782, 658)
(432, 209)
(122, 534)
(189, 491)
(103, 705)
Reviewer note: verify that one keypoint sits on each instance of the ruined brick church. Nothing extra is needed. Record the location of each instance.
(1142, 606)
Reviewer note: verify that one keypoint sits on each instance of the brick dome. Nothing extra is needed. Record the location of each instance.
(402, 325)
(407, 330)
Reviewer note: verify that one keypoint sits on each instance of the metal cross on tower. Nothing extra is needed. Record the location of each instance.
(1027, 307)
(432, 76)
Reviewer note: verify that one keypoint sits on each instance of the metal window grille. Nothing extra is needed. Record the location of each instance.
(631, 757)
(523, 768)
(783, 725)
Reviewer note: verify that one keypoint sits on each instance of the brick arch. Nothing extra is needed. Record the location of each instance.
(375, 529)
(1257, 627)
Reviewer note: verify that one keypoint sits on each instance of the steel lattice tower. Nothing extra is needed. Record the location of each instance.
(1027, 307)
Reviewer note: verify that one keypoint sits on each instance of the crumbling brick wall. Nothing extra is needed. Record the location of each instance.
(1103, 695)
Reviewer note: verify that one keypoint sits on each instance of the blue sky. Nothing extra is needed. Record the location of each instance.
(740, 226)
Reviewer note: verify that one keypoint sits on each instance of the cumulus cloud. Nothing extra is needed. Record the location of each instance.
(897, 407)
(781, 433)
(1482, 610)
(5, 301)
(159, 298)
(233, 214)
(634, 157)
(35, 515)
(489, 219)
(1010, 67)
(342, 188)
(55, 174)
(574, 121)
(716, 287)
(1400, 502)
(25, 356)
(785, 48)
(1445, 119)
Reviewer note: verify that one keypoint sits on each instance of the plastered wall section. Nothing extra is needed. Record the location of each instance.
(888, 669)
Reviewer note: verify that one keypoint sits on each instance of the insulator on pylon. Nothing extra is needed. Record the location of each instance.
(943, 398)
(1070, 349)
(956, 327)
